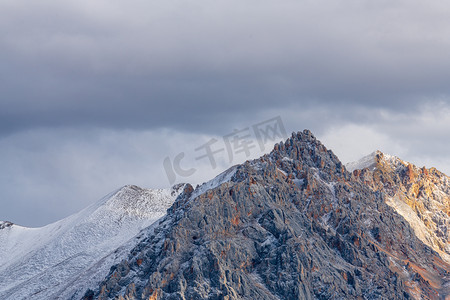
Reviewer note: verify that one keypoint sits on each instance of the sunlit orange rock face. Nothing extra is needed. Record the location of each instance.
(426, 193)
(422, 197)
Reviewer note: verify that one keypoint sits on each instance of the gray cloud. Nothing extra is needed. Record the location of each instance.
(170, 64)
(84, 85)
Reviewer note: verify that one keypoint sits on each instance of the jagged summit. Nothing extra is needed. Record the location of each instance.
(302, 150)
(300, 145)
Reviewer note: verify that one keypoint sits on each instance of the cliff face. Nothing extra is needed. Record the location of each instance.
(420, 195)
(293, 224)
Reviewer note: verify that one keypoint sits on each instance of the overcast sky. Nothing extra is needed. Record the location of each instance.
(96, 94)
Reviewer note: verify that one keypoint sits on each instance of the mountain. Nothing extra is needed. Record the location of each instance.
(420, 195)
(61, 260)
(293, 224)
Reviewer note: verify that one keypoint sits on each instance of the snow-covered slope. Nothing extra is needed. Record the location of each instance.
(215, 182)
(367, 161)
(370, 161)
(64, 258)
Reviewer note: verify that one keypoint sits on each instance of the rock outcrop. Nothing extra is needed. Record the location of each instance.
(5, 224)
(420, 195)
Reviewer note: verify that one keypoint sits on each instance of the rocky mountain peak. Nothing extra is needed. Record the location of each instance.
(298, 141)
(293, 224)
(302, 152)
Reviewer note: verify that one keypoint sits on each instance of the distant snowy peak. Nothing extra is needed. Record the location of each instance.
(370, 161)
(82, 245)
(135, 201)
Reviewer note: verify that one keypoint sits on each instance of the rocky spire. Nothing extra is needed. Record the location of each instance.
(306, 151)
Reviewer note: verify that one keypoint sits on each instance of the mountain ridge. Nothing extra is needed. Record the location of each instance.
(293, 224)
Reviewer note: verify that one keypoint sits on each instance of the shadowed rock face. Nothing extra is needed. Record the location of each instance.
(290, 225)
